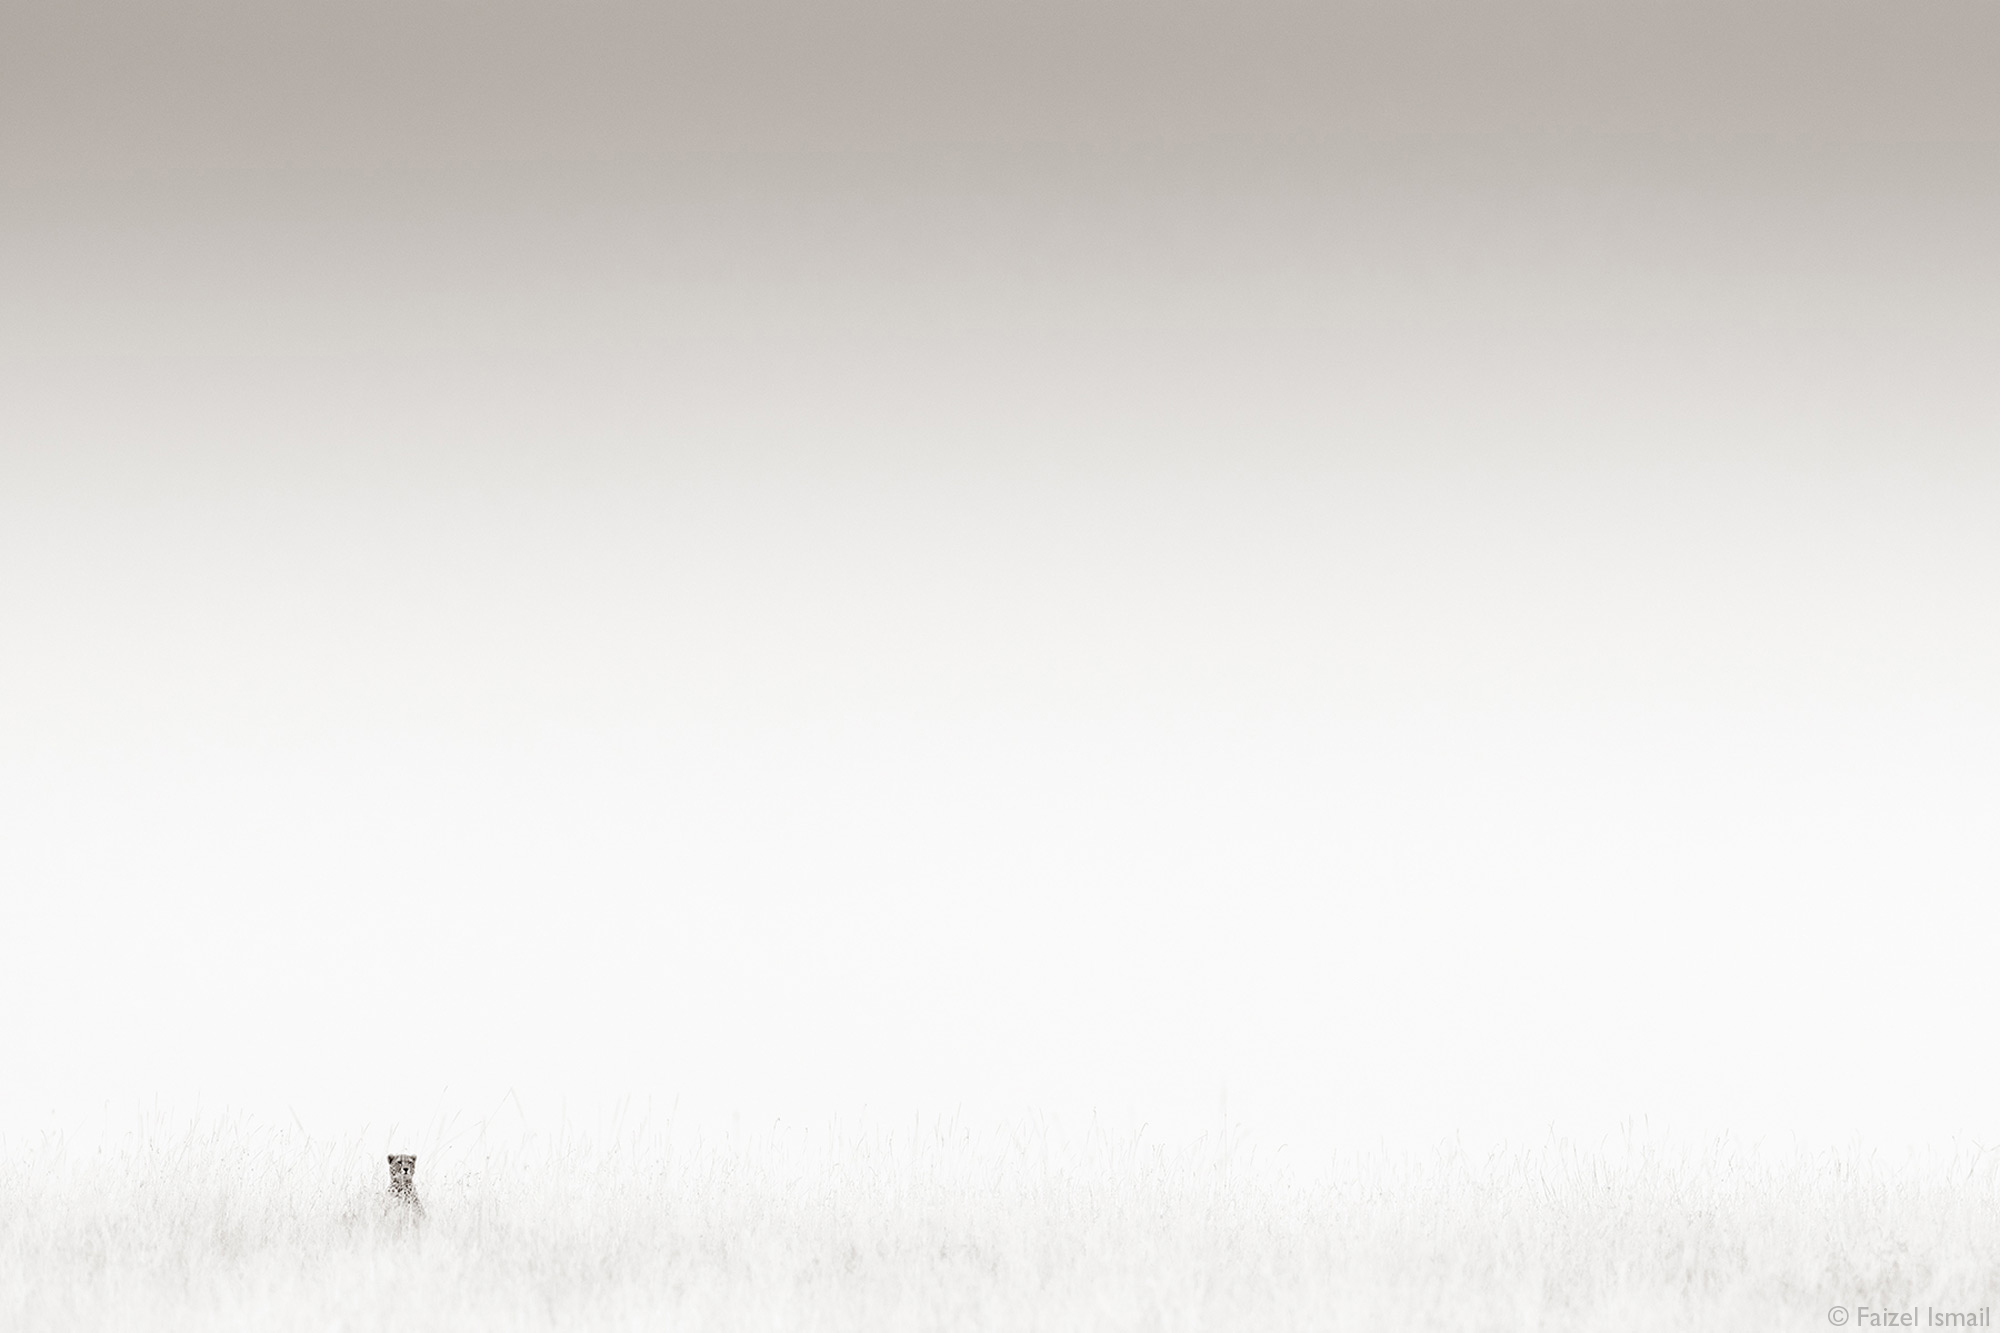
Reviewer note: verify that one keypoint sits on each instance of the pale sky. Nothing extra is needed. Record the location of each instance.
(1458, 604)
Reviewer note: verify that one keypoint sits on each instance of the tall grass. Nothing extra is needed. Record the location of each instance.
(224, 1226)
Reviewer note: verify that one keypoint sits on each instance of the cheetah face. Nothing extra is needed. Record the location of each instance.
(402, 1170)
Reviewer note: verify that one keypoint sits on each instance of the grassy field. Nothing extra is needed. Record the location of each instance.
(226, 1226)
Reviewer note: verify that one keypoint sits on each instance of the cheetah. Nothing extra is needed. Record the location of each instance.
(403, 1187)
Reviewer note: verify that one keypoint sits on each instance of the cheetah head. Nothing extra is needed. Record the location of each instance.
(402, 1171)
